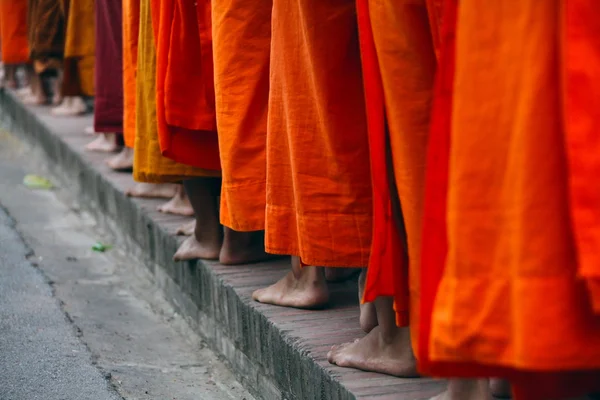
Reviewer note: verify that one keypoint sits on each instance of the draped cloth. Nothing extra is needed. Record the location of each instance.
(149, 165)
(504, 249)
(318, 175)
(108, 102)
(13, 31)
(80, 43)
(131, 28)
(70, 82)
(185, 96)
(241, 50)
(46, 33)
(399, 65)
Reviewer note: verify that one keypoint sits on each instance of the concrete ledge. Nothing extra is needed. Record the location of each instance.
(277, 353)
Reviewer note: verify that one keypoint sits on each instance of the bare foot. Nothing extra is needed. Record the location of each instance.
(89, 130)
(392, 356)
(187, 229)
(70, 107)
(104, 143)
(38, 99)
(500, 388)
(192, 249)
(179, 204)
(302, 287)
(335, 275)
(466, 389)
(122, 161)
(368, 314)
(244, 248)
(153, 190)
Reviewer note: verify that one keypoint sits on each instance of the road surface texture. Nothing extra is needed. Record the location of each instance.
(81, 325)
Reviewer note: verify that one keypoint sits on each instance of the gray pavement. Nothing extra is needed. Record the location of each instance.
(78, 325)
(41, 356)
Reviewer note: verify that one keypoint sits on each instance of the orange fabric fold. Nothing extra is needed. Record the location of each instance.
(13, 30)
(318, 177)
(80, 42)
(185, 85)
(499, 260)
(242, 43)
(131, 27)
(582, 103)
(149, 164)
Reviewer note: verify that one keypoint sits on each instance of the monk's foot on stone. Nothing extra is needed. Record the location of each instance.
(104, 143)
(187, 229)
(153, 190)
(123, 161)
(24, 92)
(32, 99)
(192, 249)
(178, 205)
(500, 388)
(307, 290)
(244, 248)
(89, 130)
(368, 313)
(70, 107)
(376, 353)
(336, 275)
(466, 389)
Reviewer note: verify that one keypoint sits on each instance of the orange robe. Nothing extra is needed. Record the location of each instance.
(503, 293)
(131, 27)
(399, 67)
(185, 85)
(80, 42)
(242, 43)
(149, 165)
(13, 31)
(318, 175)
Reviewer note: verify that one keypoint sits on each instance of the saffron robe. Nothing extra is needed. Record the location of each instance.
(70, 81)
(80, 43)
(46, 33)
(149, 165)
(318, 175)
(399, 65)
(241, 50)
(131, 28)
(13, 31)
(108, 102)
(185, 85)
(502, 261)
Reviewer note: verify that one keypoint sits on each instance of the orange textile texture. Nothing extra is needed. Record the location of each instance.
(582, 101)
(149, 164)
(405, 55)
(131, 28)
(13, 30)
(80, 41)
(185, 85)
(242, 43)
(318, 177)
(499, 260)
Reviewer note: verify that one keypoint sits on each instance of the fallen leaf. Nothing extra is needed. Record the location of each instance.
(37, 182)
(101, 247)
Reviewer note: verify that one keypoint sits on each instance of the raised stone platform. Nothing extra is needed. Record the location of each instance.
(278, 353)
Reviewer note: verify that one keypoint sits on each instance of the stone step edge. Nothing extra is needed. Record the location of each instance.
(276, 368)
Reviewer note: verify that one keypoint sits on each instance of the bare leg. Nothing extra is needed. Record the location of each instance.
(500, 388)
(368, 313)
(153, 190)
(187, 229)
(105, 143)
(123, 161)
(208, 235)
(10, 76)
(386, 349)
(466, 389)
(336, 275)
(243, 248)
(179, 204)
(37, 95)
(302, 287)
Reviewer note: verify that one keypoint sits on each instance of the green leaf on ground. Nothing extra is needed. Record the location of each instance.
(37, 182)
(101, 247)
